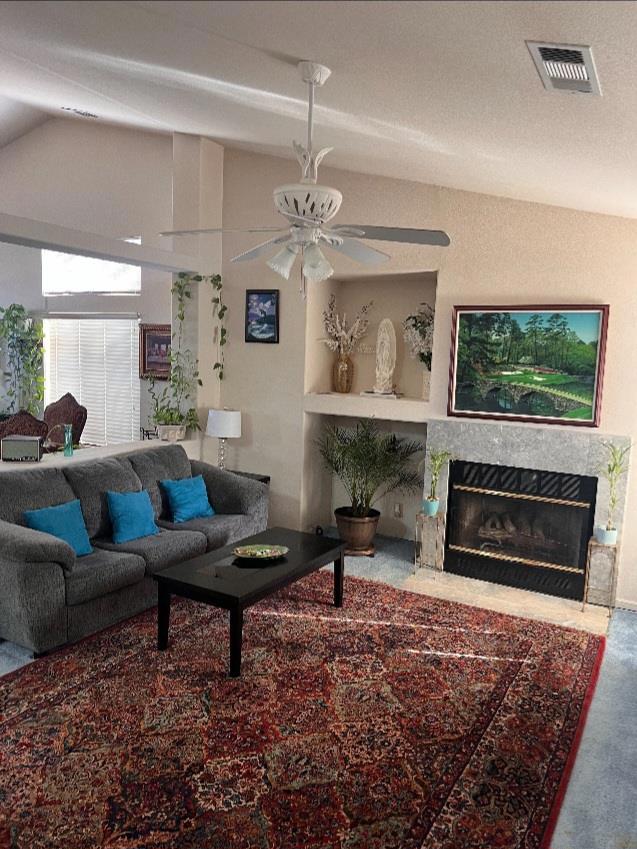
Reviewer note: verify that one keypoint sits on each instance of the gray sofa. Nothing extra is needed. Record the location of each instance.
(48, 596)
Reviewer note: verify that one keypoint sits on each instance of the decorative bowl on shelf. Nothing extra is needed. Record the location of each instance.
(260, 552)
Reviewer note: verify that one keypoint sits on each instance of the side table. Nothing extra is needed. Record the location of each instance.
(253, 475)
(430, 542)
(600, 586)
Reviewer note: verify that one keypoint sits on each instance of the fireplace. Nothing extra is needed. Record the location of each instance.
(520, 527)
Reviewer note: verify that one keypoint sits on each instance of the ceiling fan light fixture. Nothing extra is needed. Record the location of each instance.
(283, 261)
(315, 265)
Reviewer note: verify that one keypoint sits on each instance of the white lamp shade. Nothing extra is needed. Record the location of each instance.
(283, 261)
(224, 424)
(315, 265)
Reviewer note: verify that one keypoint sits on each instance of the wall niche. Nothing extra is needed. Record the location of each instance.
(394, 296)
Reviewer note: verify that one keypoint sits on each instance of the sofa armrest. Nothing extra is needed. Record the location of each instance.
(230, 493)
(24, 545)
(32, 604)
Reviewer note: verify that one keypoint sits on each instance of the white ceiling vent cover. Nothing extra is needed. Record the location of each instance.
(565, 67)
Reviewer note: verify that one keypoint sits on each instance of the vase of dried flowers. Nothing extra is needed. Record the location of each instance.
(418, 335)
(343, 373)
(342, 338)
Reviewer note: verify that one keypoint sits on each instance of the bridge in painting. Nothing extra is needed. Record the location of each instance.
(563, 401)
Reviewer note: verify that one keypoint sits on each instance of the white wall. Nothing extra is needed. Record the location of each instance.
(502, 252)
(91, 177)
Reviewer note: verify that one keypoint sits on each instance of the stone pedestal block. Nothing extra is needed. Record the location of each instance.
(601, 577)
(430, 542)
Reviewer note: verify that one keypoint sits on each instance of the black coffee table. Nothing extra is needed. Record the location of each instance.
(218, 578)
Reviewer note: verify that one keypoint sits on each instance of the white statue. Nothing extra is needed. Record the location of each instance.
(385, 358)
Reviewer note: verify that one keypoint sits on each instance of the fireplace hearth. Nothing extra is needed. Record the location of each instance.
(520, 527)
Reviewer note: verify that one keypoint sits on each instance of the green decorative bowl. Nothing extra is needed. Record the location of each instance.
(260, 552)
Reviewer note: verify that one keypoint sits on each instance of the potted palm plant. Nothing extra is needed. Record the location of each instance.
(613, 470)
(437, 460)
(370, 463)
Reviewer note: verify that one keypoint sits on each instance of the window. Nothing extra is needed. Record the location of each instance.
(97, 361)
(67, 274)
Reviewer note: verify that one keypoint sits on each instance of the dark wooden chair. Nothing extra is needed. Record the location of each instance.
(23, 424)
(66, 410)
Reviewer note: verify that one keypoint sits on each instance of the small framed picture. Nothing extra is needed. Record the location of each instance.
(540, 363)
(154, 351)
(262, 315)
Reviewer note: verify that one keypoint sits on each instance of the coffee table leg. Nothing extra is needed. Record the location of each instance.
(236, 636)
(163, 617)
(339, 571)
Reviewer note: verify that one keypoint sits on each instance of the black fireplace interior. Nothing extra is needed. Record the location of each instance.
(520, 527)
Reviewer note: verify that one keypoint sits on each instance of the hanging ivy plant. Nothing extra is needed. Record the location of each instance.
(175, 404)
(23, 337)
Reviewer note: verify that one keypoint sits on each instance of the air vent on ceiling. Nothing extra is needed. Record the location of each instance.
(82, 113)
(565, 67)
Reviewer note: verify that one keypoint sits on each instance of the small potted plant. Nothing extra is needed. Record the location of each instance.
(370, 464)
(437, 459)
(613, 470)
(342, 338)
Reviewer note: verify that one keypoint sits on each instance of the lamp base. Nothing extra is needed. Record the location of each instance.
(221, 457)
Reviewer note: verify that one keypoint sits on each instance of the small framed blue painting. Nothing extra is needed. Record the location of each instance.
(262, 315)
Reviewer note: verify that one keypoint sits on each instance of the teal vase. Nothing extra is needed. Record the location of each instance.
(68, 440)
(430, 507)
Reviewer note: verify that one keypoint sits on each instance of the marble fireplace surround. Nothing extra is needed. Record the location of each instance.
(552, 448)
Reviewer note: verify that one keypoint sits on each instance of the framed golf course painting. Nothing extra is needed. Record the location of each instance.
(528, 363)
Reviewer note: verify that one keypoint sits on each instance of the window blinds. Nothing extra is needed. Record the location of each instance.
(97, 361)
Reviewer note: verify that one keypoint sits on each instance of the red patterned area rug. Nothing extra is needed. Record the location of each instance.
(398, 722)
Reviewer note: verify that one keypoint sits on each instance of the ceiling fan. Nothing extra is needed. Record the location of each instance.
(308, 207)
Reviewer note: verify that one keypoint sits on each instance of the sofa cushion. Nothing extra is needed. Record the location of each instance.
(91, 480)
(64, 521)
(31, 489)
(220, 530)
(188, 499)
(169, 462)
(161, 551)
(101, 573)
(131, 515)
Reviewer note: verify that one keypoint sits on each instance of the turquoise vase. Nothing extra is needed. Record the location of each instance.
(68, 440)
(430, 507)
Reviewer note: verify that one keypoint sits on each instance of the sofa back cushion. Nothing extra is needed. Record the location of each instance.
(90, 482)
(31, 489)
(169, 462)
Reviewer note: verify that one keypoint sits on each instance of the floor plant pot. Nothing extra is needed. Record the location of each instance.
(357, 532)
(171, 433)
(430, 506)
(604, 536)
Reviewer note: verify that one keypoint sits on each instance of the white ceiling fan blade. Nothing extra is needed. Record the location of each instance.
(359, 251)
(258, 250)
(223, 230)
(409, 235)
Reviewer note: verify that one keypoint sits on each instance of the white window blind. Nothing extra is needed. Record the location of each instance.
(67, 274)
(97, 361)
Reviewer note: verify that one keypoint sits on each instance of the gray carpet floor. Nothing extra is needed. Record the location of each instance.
(600, 808)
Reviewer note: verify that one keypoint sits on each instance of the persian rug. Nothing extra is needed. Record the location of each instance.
(397, 722)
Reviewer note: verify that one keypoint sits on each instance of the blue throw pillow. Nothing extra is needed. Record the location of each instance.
(132, 515)
(66, 522)
(188, 499)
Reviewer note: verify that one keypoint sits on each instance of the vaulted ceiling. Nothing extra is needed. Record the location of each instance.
(440, 92)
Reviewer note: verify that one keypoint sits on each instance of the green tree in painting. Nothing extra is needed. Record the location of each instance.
(534, 332)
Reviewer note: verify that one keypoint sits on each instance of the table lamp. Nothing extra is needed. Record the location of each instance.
(224, 424)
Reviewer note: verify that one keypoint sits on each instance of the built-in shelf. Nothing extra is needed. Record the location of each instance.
(367, 407)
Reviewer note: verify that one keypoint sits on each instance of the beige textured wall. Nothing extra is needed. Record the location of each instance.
(502, 252)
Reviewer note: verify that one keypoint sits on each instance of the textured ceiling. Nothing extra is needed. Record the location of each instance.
(440, 92)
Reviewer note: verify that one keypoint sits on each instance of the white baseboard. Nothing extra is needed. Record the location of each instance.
(624, 604)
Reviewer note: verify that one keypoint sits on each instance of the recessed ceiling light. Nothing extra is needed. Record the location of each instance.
(81, 112)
